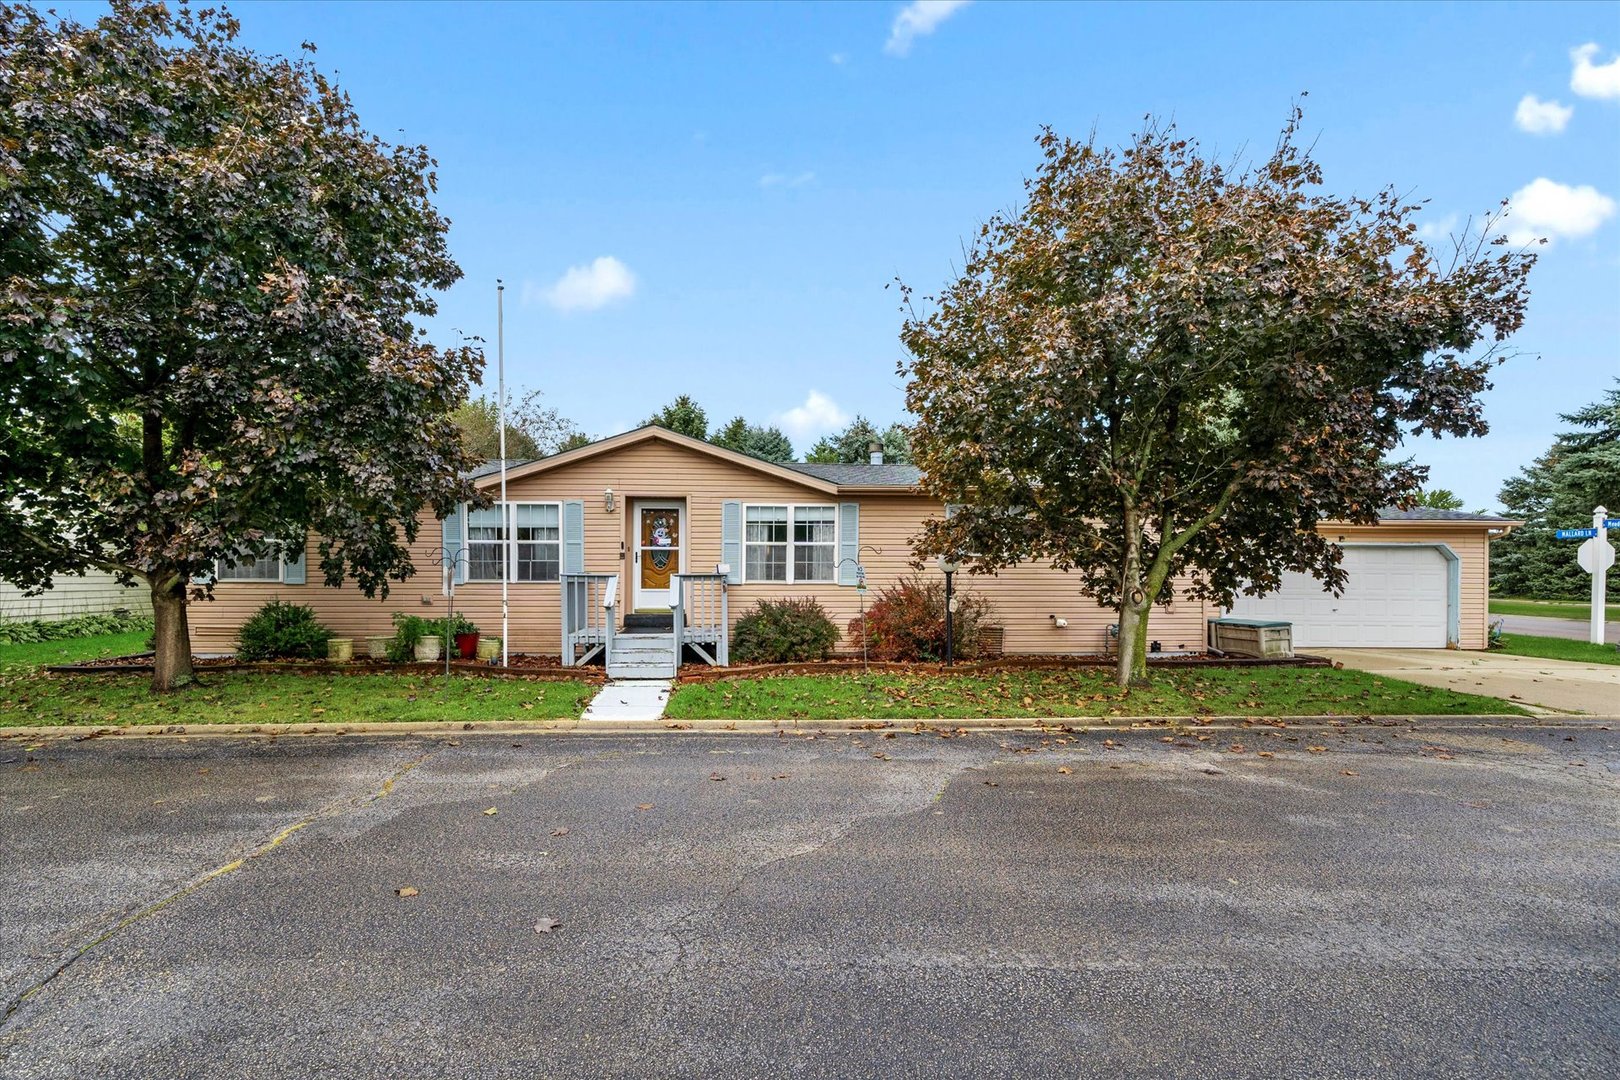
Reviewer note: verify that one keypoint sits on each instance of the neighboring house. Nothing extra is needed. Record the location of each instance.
(626, 520)
(96, 593)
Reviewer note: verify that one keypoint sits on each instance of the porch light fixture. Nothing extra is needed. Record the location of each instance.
(607, 500)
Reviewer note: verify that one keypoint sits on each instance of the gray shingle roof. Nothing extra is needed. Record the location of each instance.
(861, 475)
(489, 468)
(1424, 513)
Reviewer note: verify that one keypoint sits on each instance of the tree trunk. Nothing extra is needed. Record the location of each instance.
(1133, 638)
(171, 636)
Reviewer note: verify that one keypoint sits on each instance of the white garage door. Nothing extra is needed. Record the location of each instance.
(1395, 598)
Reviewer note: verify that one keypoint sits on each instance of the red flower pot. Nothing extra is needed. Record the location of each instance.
(466, 646)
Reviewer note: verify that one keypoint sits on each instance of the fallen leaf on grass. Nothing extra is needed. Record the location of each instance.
(406, 891)
(546, 925)
(491, 812)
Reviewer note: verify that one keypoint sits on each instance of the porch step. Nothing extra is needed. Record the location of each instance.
(642, 656)
(641, 622)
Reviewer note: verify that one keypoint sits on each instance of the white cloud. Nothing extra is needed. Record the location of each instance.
(1594, 80)
(918, 19)
(1546, 208)
(839, 58)
(1438, 229)
(585, 288)
(1541, 117)
(817, 416)
(786, 180)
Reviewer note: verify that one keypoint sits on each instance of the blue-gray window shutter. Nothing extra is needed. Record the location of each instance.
(292, 570)
(731, 540)
(454, 532)
(849, 542)
(573, 531)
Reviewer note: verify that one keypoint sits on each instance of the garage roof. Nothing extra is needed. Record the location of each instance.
(1425, 513)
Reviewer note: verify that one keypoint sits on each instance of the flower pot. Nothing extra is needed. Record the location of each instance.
(466, 645)
(489, 648)
(340, 649)
(429, 649)
(377, 647)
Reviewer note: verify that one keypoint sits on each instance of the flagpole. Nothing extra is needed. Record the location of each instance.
(506, 510)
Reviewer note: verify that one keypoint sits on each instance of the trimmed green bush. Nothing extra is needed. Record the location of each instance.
(281, 631)
(783, 632)
(117, 621)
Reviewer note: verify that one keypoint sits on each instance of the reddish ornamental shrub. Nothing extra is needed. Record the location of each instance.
(907, 622)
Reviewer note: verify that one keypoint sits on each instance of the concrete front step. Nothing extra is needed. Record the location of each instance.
(642, 656)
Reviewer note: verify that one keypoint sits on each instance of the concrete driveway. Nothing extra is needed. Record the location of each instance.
(1562, 685)
(1541, 626)
(1339, 900)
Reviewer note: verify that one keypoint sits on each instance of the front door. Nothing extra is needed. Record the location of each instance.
(657, 555)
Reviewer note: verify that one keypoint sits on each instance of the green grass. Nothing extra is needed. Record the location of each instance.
(1549, 609)
(1272, 691)
(37, 699)
(1552, 648)
(33, 654)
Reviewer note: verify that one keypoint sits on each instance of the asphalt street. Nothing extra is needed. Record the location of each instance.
(1365, 900)
(1541, 626)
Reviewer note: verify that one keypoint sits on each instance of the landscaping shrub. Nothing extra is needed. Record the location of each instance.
(783, 632)
(117, 621)
(907, 622)
(408, 630)
(281, 631)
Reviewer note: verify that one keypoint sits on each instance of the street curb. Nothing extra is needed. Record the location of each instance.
(765, 727)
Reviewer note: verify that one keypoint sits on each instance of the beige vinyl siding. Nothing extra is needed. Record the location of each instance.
(1024, 598)
(96, 593)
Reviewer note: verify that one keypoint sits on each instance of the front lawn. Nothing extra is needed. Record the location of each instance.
(1269, 691)
(33, 654)
(1549, 609)
(1555, 648)
(248, 697)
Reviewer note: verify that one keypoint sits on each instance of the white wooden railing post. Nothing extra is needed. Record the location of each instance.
(724, 655)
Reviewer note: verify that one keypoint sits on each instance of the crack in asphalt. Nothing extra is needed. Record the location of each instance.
(276, 839)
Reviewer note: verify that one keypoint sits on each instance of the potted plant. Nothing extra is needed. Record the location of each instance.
(414, 638)
(465, 634)
(377, 646)
(340, 649)
(489, 648)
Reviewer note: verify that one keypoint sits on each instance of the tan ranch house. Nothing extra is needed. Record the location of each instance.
(650, 521)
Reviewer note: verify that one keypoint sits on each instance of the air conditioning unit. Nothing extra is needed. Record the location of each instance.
(1252, 637)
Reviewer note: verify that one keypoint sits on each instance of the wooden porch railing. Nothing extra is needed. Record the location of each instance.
(702, 617)
(589, 616)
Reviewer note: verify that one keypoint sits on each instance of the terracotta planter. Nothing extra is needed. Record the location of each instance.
(489, 648)
(466, 645)
(340, 649)
(377, 647)
(429, 649)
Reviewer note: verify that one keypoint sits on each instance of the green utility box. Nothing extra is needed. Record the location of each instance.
(1252, 637)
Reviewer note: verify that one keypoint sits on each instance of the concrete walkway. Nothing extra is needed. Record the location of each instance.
(1563, 685)
(629, 699)
(1541, 626)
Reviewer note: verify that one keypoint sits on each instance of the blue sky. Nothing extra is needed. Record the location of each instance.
(736, 184)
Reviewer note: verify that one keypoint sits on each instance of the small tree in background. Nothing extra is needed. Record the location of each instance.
(754, 439)
(213, 278)
(532, 428)
(853, 445)
(683, 415)
(1559, 490)
(1161, 366)
(1439, 499)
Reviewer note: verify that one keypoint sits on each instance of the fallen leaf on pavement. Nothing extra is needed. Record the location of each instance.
(715, 776)
(644, 806)
(1265, 753)
(561, 830)
(546, 925)
(1065, 769)
(1316, 749)
(407, 891)
(1348, 772)
(491, 812)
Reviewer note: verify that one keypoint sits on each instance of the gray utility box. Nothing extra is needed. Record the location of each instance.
(1252, 637)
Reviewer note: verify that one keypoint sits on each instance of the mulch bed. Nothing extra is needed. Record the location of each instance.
(522, 667)
(702, 673)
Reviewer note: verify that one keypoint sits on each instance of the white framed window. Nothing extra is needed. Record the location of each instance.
(790, 543)
(536, 550)
(264, 568)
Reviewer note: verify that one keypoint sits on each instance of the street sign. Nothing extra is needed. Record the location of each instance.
(1575, 534)
(1611, 523)
(1590, 552)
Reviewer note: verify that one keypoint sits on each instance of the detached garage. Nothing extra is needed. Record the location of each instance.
(1419, 579)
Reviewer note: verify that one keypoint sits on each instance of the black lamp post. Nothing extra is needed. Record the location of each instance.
(949, 568)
